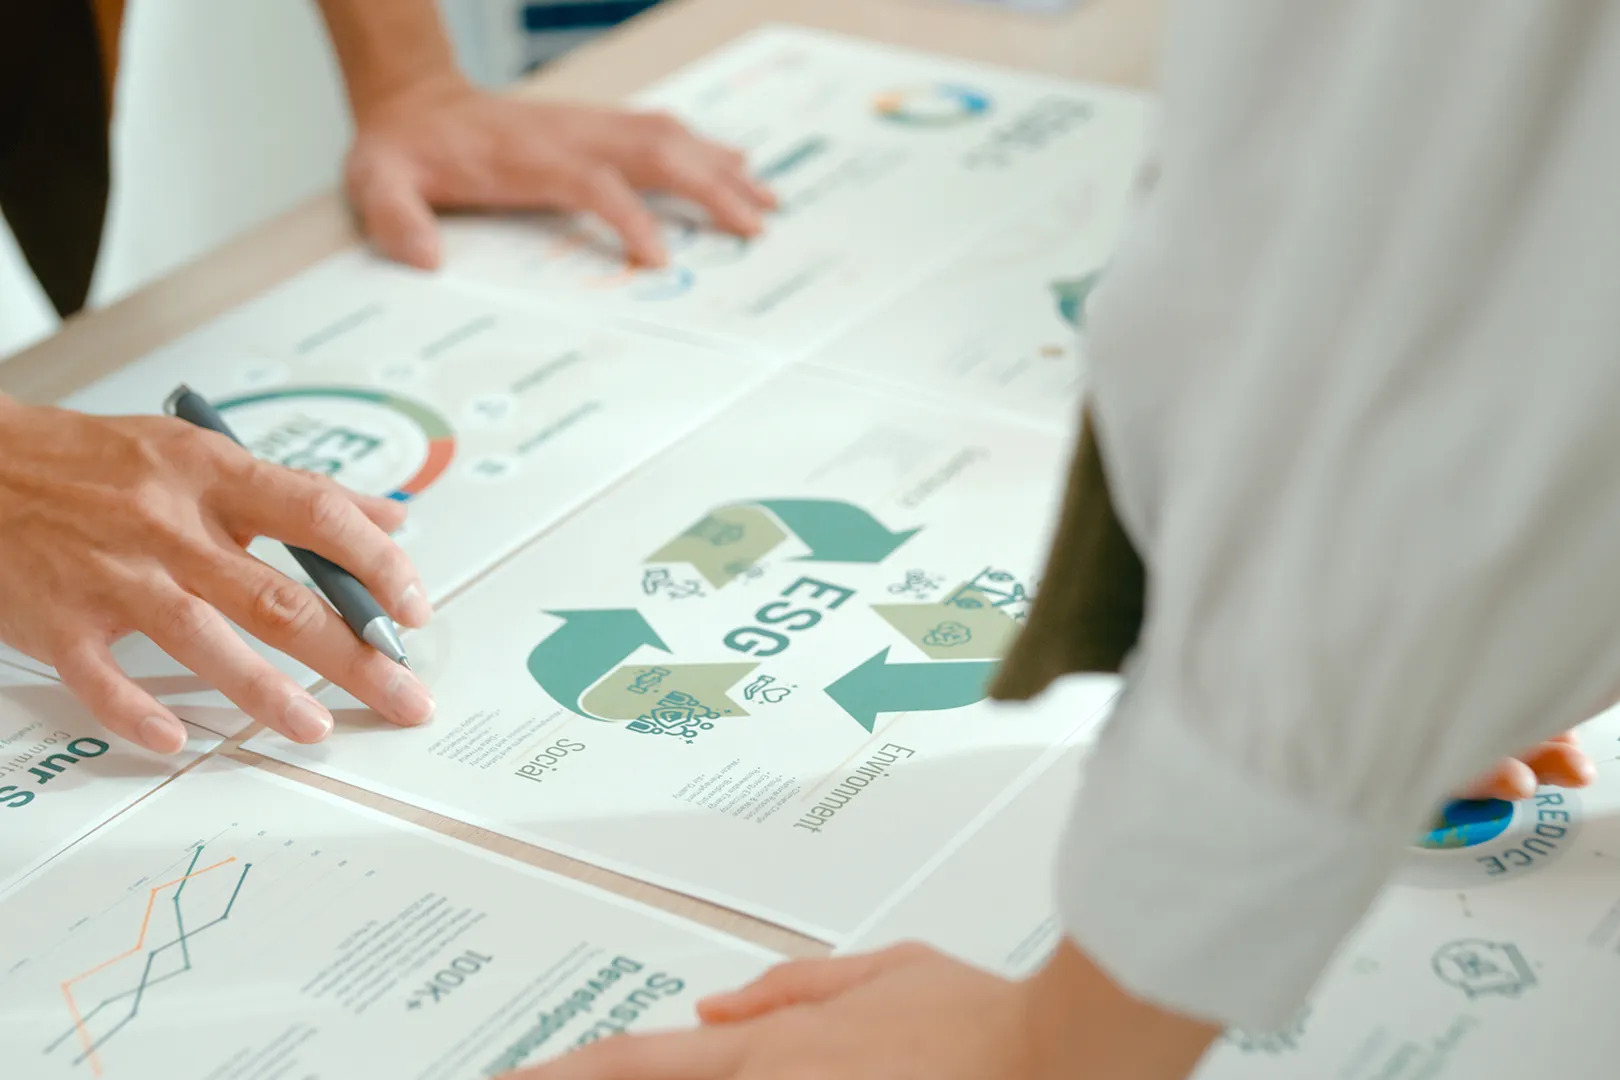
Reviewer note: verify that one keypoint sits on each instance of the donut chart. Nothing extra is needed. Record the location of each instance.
(940, 105)
(372, 440)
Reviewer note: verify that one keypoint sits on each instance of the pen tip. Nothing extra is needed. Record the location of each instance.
(405, 663)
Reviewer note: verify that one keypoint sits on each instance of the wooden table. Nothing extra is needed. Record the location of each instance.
(1104, 41)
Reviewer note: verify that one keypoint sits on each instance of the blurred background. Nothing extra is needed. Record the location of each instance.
(229, 113)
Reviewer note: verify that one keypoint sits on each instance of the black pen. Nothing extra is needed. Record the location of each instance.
(363, 614)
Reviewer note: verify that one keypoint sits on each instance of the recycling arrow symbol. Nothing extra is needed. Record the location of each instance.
(726, 542)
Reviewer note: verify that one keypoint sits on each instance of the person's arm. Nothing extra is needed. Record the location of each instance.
(1355, 385)
(426, 138)
(389, 47)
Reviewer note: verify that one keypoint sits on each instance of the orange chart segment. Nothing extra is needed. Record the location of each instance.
(80, 1021)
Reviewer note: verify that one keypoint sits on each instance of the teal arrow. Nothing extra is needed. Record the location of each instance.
(1071, 297)
(876, 687)
(587, 646)
(837, 531)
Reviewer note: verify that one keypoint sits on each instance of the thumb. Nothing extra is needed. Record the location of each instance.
(392, 211)
(802, 982)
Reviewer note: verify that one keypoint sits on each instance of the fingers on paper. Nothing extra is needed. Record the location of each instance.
(1510, 779)
(688, 1055)
(1558, 762)
(602, 190)
(87, 668)
(320, 515)
(802, 982)
(1562, 762)
(393, 210)
(664, 155)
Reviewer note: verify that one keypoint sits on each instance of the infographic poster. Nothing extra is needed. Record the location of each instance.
(239, 925)
(62, 775)
(754, 672)
(488, 420)
(885, 162)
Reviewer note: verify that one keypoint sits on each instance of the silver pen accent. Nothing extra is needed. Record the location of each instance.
(381, 635)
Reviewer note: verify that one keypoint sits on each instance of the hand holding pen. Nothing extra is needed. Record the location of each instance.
(363, 614)
(327, 529)
(119, 525)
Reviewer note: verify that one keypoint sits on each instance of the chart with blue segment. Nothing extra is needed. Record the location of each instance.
(240, 925)
(885, 163)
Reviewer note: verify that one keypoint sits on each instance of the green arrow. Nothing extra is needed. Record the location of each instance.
(837, 531)
(587, 646)
(876, 687)
(1071, 297)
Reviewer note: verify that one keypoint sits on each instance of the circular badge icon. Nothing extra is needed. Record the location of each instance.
(1468, 824)
(371, 441)
(1480, 842)
(940, 105)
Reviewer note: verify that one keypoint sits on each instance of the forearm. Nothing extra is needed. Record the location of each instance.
(387, 46)
(1084, 1025)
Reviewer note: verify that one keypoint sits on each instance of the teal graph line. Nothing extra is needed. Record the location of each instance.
(805, 151)
(147, 981)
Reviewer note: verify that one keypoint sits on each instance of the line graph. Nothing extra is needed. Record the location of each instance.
(150, 976)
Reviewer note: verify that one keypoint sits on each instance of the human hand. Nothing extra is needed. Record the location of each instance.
(1558, 761)
(441, 143)
(907, 1012)
(903, 1012)
(114, 525)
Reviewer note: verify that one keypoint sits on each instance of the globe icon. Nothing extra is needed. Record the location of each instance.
(1466, 823)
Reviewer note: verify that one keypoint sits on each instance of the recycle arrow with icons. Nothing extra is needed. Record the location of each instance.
(585, 664)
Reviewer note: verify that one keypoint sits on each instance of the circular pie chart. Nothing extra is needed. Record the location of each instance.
(372, 441)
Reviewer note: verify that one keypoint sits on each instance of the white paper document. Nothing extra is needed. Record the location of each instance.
(755, 671)
(1001, 327)
(239, 925)
(886, 161)
(1498, 943)
(988, 897)
(62, 775)
(15, 658)
(489, 420)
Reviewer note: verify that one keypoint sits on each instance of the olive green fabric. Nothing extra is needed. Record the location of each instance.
(1088, 610)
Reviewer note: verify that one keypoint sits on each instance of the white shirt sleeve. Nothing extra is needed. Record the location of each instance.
(1356, 378)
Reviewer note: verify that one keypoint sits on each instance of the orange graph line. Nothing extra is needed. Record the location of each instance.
(146, 919)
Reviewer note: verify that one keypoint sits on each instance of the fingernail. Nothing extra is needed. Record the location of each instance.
(414, 606)
(306, 721)
(413, 705)
(422, 251)
(1522, 781)
(161, 734)
(1578, 772)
